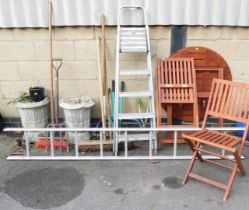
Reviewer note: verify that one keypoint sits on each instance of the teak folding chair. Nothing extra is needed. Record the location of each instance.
(176, 84)
(227, 100)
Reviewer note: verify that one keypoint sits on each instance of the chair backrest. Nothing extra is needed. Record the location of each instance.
(177, 80)
(229, 100)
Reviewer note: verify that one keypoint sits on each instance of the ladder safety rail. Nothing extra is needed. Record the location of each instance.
(121, 9)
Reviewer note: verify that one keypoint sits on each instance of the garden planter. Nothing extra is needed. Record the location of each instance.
(34, 115)
(77, 115)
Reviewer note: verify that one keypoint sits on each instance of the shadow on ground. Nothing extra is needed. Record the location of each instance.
(45, 188)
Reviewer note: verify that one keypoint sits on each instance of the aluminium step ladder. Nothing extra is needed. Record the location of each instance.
(134, 40)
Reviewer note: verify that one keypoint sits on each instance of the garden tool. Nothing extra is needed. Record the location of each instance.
(57, 63)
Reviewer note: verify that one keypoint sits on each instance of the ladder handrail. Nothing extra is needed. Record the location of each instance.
(121, 9)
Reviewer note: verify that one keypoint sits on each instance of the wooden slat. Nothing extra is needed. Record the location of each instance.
(237, 101)
(208, 181)
(162, 79)
(224, 98)
(158, 97)
(233, 143)
(172, 101)
(190, 95)
(214, 154)
(211, 98)
(193, 73)
(194, 134)
(228, 101)
(246, 107)
(213, 137)
(185, 80)
(233, 100)
(181, 86)
(221, 165)
(181, 79)
(241, 102)
(214, 97)
(229, 117)
(218, 138)
(230, 142)
(204, 135)
(169, 79)
(209, 135)
(218, 104)
(222, 140)
(174, 80)
(189, 70)
(177, 81)
(94, 142)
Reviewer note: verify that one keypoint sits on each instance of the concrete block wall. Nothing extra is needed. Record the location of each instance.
(231, 42)
(24, 58)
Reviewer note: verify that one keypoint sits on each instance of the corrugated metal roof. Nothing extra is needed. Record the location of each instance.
(33, 13)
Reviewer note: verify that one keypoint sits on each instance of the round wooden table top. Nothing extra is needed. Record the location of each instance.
(204, 59)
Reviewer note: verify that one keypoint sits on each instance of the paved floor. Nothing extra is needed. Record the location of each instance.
(111, 185)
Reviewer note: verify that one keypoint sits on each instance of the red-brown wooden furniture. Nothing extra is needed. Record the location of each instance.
(228, 100)
(208, 64)
(176, 84)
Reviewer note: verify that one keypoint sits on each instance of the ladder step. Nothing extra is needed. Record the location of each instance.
(130, 116)
(133, 32)
(133, 49)
(133, 39)
(135, 94)
(130, 43)
(135, 137)
(134, 72)
(128, 29)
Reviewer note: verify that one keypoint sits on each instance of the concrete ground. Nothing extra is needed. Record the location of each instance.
(108, 185)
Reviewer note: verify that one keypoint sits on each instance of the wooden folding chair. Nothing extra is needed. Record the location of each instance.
(176, 84)
(227, 100)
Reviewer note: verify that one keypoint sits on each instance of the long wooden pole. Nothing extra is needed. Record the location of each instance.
(103, 70)
(100, 85)
(50, 47)
(105, 75)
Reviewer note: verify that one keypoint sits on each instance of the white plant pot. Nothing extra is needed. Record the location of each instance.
(77, 116)
(34, 115)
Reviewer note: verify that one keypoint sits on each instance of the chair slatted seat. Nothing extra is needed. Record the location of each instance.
(227, 100)
(215, 138)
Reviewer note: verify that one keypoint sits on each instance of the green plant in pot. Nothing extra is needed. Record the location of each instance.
(23, 97)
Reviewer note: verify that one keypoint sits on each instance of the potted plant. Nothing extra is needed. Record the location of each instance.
(34, 114)
(77, 115)
(36, 93)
